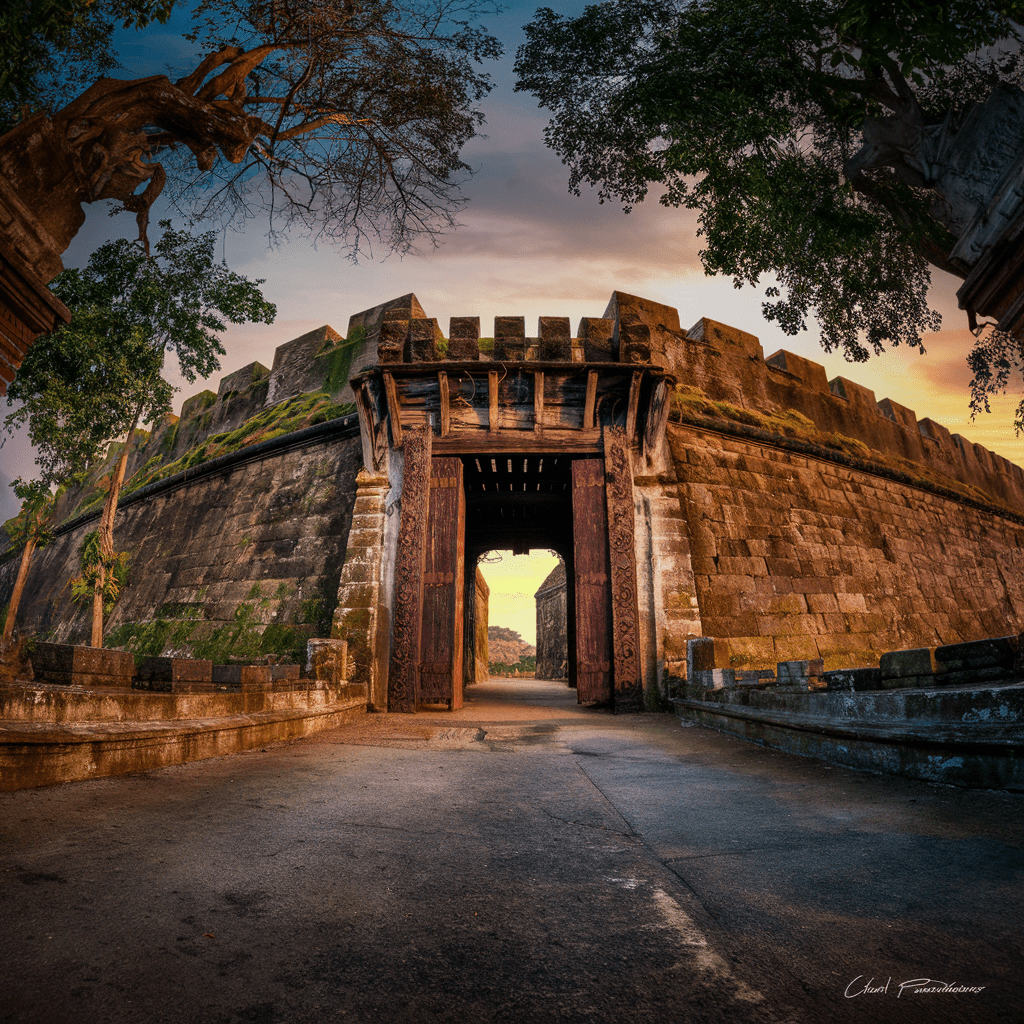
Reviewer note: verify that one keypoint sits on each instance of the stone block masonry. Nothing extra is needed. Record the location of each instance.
(797, 558)
(552, 636)
(234, 566)
(67, 665)
(781, 553)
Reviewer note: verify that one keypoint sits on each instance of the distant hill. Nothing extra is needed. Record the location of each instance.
(507, 647)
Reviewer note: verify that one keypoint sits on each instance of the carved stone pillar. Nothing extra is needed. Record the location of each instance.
(403, 681)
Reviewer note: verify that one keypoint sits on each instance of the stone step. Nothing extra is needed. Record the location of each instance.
(35, 753)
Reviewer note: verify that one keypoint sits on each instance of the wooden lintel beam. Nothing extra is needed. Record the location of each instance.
(442, 384)
(538, 402)
(492, 401)
(394, 418)
(509, 442)
(657, 415)
(591, 400)
(634, 403)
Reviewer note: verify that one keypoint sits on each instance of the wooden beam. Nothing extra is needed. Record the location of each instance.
(393, 409)
(591, 400)
(515, 498)
(569, 442)
(657, 416)
(442, 384)
(634, 403)
(492, 401)
(594, 679)
(538, 402)
(368, 430)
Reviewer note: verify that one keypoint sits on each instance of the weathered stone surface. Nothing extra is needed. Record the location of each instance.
(464, 338)
(600, 344)
(481, 648)
(393, 335)
(424, 341)
(552, 637)
(634, 343)
(174, 670)
(853, 679)
(228, 675)
(241, 379)
(509, 338)
(555, 338)
(794, 557)
(966, 737)
(59, 736)
(72, 665)
(218, 562)
(999, 652)
(296, 370)
(900, 664)
(327, 660)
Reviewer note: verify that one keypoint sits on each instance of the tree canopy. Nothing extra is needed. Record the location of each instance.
(39, 36)
(99, 377)
(807, 134)
(344, 118)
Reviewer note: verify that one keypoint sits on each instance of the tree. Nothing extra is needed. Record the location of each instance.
(30, 529)
(37, 36)
(70, 404)
(101, 376)
(343, 117)
(815, 138)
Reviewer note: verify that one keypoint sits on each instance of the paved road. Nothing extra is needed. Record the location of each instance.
(515, 862)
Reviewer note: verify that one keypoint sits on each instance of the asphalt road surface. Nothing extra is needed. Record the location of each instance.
(521, 860)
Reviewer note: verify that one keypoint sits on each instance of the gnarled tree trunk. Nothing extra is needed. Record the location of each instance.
(19, 587)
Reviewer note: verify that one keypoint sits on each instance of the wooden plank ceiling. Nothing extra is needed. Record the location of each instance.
(518, 501)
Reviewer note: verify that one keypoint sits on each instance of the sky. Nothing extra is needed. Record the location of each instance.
(526, 247)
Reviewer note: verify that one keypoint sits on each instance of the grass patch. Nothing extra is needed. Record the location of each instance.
(688, 401)
(283, 418)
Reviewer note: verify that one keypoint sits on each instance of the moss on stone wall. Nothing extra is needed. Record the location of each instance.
(336, 360)
(284, 418)
(691, 405)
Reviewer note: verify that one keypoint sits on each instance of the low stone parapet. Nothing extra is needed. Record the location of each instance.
(58, 735)
(245, 677)
(971, 737)
(171, 670)
(72, 665)
(995, 661)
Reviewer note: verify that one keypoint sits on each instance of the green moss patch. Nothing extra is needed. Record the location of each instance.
(690, 404)
(283, 418)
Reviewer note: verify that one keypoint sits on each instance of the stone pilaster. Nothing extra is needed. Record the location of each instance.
(361, 617)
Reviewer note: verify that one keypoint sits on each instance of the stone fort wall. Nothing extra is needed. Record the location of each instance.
(797, 557)
(778, 546)
(237, 564)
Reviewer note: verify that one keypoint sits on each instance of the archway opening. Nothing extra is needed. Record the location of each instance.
(520, 644)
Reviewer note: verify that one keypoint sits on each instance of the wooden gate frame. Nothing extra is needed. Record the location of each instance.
(627, 679)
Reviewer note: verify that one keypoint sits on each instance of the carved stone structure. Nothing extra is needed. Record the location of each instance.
(704, 500)
(974, 165)
(27, 307)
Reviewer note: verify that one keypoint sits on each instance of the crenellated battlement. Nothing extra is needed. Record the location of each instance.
(723, 363)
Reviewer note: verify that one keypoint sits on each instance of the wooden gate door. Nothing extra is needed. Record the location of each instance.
(441, 653)
(593, 600)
